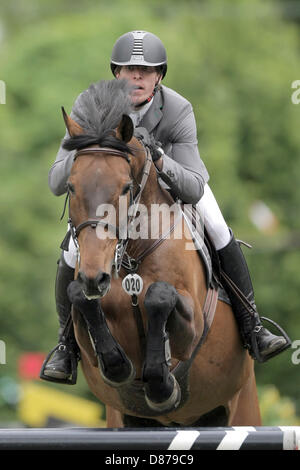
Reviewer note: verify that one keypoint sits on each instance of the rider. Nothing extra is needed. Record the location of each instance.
(140, 57)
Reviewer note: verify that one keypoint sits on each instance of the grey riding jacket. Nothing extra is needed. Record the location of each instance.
(171, 120)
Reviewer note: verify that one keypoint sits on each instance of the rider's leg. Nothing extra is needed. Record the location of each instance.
(59, 365)
(233, 263)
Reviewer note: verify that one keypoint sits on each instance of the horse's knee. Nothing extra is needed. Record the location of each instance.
(160, 297)
(78, 299)
(75, 293)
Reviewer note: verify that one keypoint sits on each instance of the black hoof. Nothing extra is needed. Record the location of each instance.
(168, 404)
(115, 373)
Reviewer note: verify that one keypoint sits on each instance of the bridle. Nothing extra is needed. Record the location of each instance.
(95, 222)
(121, 246)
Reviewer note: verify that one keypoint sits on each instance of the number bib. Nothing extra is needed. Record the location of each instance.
(132, 284)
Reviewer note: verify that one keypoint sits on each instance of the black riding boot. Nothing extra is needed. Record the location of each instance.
(262, 344)
(61, 364)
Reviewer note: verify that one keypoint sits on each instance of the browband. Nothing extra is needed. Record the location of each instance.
(117, 153)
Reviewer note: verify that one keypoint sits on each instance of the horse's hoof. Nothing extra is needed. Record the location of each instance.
(167, 405)
(117, 379)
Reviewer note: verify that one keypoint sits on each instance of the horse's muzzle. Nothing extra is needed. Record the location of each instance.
(94, 288)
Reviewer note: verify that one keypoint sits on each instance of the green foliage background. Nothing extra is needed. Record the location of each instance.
(234, 60)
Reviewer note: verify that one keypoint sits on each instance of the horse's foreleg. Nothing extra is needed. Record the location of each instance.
(114, 418)
(115, 367)
(162, 391)
(247, 410)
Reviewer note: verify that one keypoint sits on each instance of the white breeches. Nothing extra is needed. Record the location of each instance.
(213, 221)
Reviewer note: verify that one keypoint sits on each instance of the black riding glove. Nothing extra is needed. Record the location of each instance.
(149, 141)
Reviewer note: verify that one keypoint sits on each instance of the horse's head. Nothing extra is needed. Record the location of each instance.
(102, 177)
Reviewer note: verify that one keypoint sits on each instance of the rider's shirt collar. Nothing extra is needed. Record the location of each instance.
(138, 114)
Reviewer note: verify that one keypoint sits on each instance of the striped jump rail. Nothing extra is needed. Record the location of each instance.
(166, 439)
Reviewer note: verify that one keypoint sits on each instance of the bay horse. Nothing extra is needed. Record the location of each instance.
(161, 366)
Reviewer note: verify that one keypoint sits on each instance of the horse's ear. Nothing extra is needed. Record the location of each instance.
(125, 129)
(71, 125)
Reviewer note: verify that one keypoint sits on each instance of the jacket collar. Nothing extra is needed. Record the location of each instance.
(154, 114)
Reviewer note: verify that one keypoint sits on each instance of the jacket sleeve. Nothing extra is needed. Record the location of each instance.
(61, 168)
(183, 170)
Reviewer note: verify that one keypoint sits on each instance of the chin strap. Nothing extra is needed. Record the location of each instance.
(149, 98)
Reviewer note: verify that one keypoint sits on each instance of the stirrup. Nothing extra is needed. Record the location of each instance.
(74, 362)
(253, 349)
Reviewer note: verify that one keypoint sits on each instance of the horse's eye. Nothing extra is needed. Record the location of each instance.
(71, 188)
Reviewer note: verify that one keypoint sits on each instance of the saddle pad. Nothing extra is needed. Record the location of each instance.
(196, 228)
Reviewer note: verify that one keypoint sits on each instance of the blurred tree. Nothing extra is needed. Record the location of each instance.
(276, 410)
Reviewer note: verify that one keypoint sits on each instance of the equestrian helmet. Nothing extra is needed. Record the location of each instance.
(139, 48)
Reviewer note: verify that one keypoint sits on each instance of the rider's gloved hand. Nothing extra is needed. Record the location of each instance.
(148, 139)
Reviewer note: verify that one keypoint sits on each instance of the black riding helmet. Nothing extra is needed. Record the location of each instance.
(139, 48)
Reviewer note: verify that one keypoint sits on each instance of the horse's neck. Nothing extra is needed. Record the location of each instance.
(152, 199)
(153, 193)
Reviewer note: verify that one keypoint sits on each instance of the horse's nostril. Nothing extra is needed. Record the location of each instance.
(81, 277)
(94, 287)
(103, 279)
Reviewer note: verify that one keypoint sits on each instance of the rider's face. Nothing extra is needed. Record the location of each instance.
(144, 78)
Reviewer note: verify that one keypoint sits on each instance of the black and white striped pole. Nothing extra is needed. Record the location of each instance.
(164, 439)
